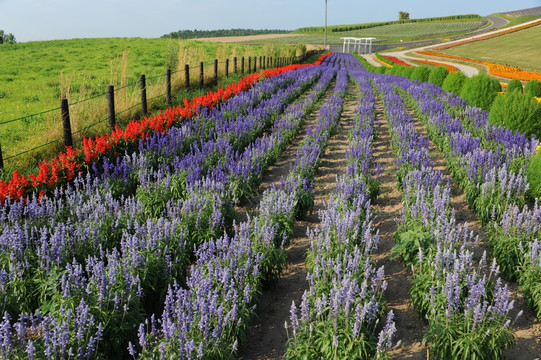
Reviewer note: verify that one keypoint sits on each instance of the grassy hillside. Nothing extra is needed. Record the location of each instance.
(35, 75)
(518, 49)
(392, 31)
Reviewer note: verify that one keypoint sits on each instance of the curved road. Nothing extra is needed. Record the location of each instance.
(497, 22)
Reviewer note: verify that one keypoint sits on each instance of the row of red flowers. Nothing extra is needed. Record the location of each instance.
(395, 60)
(74, 161)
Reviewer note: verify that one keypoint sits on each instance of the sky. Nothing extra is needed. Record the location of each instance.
(31, 20)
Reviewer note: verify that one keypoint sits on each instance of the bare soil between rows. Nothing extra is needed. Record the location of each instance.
(267, 336)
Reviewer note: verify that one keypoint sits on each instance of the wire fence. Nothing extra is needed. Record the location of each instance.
(206, 74)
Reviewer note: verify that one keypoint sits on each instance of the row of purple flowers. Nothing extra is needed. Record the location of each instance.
(81, 269)
(489, 162)
(464, 301)
(339, 313)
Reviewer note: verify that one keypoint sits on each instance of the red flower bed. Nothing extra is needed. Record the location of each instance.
(396, 60)
(73, 161)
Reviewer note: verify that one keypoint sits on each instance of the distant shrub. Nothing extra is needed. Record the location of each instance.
(480, 90)
(514, 85)
(437, 75)
(517, 112)
(533, 172)
(421, 73)
(454, 82)
(407, 71)
(533, 88)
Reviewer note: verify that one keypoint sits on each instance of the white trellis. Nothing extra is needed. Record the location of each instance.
(358, 43)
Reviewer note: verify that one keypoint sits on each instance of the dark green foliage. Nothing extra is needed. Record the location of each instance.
(480, 90)
(514, 85)
(194, 34)
(454, 82)
(534, 175)
(421, 73)
(533, 88)
(437, 75)
(381, 70)
(342, 28)
(517, 112)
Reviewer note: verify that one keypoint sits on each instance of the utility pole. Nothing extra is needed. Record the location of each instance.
(325, 24)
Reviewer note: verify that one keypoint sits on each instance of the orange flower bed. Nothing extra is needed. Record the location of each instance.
(489, 36)
(511, 72)
(449, 68)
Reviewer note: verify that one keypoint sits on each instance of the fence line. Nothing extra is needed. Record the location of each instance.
(264, 63)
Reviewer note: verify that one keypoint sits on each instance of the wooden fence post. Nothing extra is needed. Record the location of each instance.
(235, 65)
(216, 71)
(264, 63)
(260, 65)
(64, 109)
(242, 66)
(111, 101)
(187, 76)
(249, 64)
(144, 105)
(226, 67)
(1, 158)
(168, 87)
(255, 63)
(201, 75)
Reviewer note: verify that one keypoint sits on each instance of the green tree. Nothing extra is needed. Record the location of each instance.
(517, 112)
(453, 82)
(514, 85)
(6, 38)
(533, 88)
(480, 90)
(403, 15)
(437, 75)
(421, 73)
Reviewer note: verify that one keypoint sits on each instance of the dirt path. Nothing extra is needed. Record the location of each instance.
(527, 327)
(388, 210)
(267, 337)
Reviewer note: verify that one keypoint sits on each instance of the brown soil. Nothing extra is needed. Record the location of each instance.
(388, 210)
(267, 338)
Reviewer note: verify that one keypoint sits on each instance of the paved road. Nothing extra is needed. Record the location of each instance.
(497, 22)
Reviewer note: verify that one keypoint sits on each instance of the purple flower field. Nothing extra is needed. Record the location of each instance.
(143, 258)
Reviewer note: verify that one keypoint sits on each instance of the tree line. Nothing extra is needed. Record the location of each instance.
(6, 38)
(194, 34)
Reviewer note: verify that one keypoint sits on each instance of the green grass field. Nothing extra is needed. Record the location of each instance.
(35, 75)
(520, 49)
(389, 33)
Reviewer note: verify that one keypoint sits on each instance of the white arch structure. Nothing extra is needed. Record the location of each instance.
(357, 43)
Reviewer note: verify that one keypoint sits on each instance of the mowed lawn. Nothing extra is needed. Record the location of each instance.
(521, 48)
